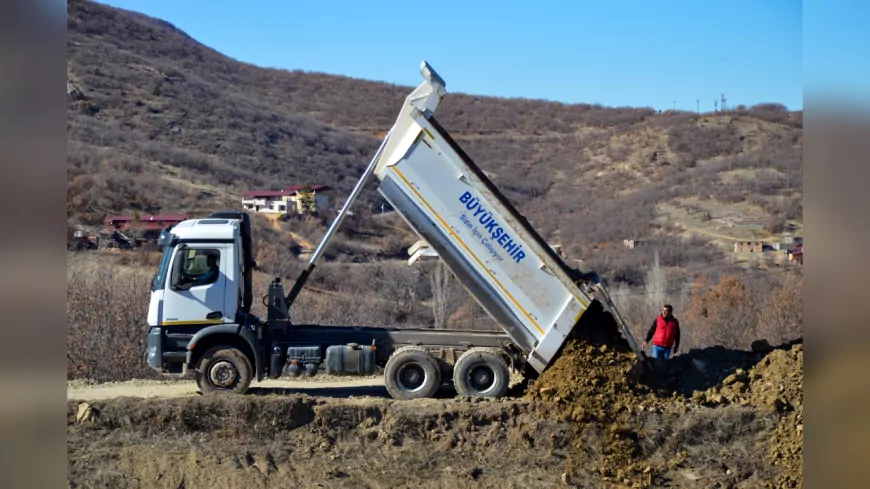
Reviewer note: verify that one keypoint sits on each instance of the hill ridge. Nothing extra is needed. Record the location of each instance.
(147, 101)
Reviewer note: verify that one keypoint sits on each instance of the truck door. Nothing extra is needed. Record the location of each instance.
(196, 290)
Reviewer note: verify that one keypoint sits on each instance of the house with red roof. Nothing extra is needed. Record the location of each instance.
(155, 222)
(147, 226)
(290, 199)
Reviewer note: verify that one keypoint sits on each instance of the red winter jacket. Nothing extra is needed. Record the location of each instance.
(664, 332)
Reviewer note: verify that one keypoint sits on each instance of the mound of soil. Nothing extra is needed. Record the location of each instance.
(591, 372)
(702, 368)
(775, 384)
(591, 384)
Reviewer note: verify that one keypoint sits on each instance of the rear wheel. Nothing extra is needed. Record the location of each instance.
(480, 372)
(224, 370)
(411, 373)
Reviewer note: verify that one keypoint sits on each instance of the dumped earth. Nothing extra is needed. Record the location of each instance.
(712, 418)
(704, 398)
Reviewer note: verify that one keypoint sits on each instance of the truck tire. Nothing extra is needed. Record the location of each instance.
(480, 372)
(224, 370)
(411, 373)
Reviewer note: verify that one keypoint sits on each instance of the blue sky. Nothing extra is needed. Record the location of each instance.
(616, 53)
(836, 60)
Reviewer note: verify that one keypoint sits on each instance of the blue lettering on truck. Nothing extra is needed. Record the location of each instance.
(498, 235)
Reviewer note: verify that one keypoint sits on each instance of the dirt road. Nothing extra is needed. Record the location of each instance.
(321, 387)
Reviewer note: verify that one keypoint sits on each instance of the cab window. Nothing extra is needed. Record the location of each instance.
(199, 267)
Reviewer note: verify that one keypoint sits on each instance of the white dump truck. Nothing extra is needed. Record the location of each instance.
(200, 311)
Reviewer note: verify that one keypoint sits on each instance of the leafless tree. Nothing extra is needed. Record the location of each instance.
(656, 287)
(443, 303)
(781, 318)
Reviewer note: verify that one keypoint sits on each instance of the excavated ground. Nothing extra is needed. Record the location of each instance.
(711, 418)
(725, 418)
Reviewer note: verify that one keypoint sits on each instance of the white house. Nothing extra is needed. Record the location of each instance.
(631, 243)
(288, 199)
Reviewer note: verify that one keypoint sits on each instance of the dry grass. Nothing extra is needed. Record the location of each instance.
(711, 442)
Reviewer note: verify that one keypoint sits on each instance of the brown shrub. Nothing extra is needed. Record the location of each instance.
(723, 314)
(734, 313)
(106, 331)
(781, 318)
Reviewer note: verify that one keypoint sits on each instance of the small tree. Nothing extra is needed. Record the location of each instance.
(781, 318)
(724, 314)
(632, 307)
(656, 287)
(443, 294)
(306, 199)
(776, 224)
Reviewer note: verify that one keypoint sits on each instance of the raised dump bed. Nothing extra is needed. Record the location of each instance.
(490, 248)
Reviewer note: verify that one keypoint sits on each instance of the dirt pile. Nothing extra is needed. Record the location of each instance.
(589, 386)
(592, 384)
(592, 372)
(775, 385)
(303, 441)
(702, 369)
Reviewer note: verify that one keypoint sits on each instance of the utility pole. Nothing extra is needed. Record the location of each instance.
(715, 106)
(698, 105)
(675, 105)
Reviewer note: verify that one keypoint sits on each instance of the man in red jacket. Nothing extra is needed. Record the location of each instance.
(664, 333)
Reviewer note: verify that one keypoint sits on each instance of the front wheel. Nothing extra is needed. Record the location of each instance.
(224, 370)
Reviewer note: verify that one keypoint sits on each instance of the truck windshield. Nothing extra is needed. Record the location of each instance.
(160, 277)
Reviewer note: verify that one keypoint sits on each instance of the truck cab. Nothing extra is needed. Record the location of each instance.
(198, 280)
(201, 298)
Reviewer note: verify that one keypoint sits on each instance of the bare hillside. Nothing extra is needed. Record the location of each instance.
(160, 123)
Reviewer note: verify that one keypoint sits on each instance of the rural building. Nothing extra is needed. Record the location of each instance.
(150, 224)
(787, 243)
(156, 221)
(792, 240)
(139, 229)
(796, 254)
(748, 247)
(289, 199)
(631, 243)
